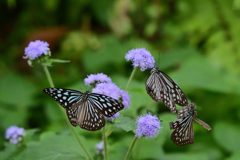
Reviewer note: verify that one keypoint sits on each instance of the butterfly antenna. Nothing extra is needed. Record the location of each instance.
(158, 58)
(190, 97)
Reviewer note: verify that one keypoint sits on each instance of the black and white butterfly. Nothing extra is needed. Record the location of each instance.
(85, 109)
(183, 133)
(163, 89)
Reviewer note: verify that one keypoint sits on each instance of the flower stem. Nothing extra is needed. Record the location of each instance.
(131, 147)
(105, 143)
(109, 131)
(131, 77)
(73, 129)
(48, 76)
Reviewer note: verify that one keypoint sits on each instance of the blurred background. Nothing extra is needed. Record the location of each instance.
(199, 46)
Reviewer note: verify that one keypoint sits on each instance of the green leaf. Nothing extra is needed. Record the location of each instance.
(234, 156)
(30, 133)
(59, 61)
(46, 135)
(58, 147)
(149, 149)
(7, 112)
(10, 151)
(197, 72)
(165, 132)
(125, 123)
(186, 156)
(16, 90)
(48, 64)
(227, 135)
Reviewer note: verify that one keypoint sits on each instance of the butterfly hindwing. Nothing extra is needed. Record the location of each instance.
(163, 89)
(86, 116)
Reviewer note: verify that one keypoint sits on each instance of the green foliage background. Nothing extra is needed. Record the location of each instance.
(199, 45)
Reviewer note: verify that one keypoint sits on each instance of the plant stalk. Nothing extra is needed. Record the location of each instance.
(131, 147)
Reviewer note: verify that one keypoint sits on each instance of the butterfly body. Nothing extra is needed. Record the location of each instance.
(162, 88)
(183, 133)
(88, 110)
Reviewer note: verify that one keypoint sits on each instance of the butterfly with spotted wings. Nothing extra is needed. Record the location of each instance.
(85, 109)
(163, 89)
(183, 133)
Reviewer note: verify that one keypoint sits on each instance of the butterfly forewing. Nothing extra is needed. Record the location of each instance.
(163, 89)
(84, 109)
(154, 87)
(65, 97)
(183, 133)
(106, 105)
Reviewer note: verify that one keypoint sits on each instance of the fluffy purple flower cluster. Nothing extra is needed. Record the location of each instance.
(148, 126)
(141, 58)
(93, 79)
(36, 49)
(14, 134)
(112, 90)
(104, 85)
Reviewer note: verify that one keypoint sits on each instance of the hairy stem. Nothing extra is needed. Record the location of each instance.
(105, 143)
(131, 77)
(131, 147)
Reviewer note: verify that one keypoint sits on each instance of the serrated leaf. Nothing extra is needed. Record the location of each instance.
(125, 123)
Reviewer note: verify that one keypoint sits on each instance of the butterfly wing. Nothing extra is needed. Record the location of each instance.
(173, 89)
(86, 116)
(154, 87)
(159, 91)
(65, 97)
(183, 133)
(205, 125)
(163, 89)
(105, 104)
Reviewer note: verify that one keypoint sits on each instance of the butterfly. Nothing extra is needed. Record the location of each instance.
(163, 89)
(183, 133)
(88, 110)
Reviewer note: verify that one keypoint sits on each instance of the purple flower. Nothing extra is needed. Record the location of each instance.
(148, 126)
(93, 79)
(108, 89)
(36, 49)
(14, 134)
(99, 147)
(112, 90)
(113, 117)
(141, 58)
